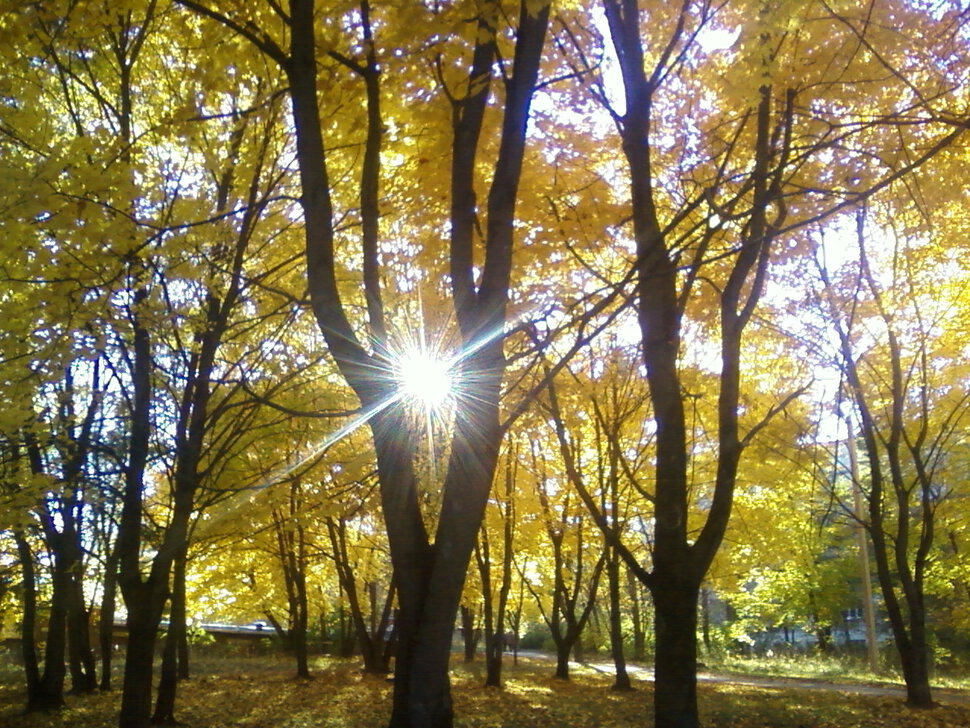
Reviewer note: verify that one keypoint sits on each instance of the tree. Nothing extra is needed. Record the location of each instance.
(602, 453)
(893, 348)
(352, 550)
(575, 581)
(495, 605)
(148, 295)
(62, 518)
(428, 574)
(150, 228)
(44, 689)
(791, 561)
(708, 208)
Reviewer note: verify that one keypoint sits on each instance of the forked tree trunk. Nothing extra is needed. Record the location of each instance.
(679, 562)
(84, 676)
(371, 638)
(901, 533)
(568, 615)
(429, 577)
(376, 644)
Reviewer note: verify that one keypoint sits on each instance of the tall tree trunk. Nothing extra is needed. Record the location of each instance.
(84, 677)
(429, 578)
(136, 696)
(301, 651)
(109, 598)
(679, 562)
(50, 689)
(706, 619)
(675, 663)
(180, 613)
(637, 617)
(895, 522)
(622, 680)
(145, 600)
(579, 649)
(564, 648)
(28, 624)
(347, 637)
(184, 667)
(495, 633)
(167, 676)
(301, 621)
(469, 632)
(914, 660)
(164, 713)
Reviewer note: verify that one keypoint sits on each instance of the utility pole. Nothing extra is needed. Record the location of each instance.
(869, 612)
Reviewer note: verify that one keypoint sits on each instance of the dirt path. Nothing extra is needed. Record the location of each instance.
(641, 672)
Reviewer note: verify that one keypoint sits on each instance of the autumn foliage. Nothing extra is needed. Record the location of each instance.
(689, 281)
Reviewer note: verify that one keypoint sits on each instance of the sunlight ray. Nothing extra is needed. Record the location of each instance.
(425, 377)
(284, 471)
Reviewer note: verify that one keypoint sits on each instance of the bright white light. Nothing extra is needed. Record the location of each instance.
(717, 39)
(425, 379)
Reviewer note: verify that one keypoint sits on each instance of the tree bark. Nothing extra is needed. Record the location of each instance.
(136, 695)
(469, 632)
(50, 689)
(144, 598)
(164, 713)
(680, 562)
(622, 680)
(106, 621)
(176, 634)
(495, 615)
(429, 578)
(636, 615)
(706, 619)
(675, 662)
(28, 624)
(84, 676)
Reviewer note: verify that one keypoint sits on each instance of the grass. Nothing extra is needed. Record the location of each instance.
(261, 693)
(829, 668)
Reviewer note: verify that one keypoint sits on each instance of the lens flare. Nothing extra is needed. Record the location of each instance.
(425, 379)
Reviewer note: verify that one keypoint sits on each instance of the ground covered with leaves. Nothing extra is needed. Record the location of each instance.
(261, 693)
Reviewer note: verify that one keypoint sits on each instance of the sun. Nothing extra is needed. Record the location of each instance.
(425, 379)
